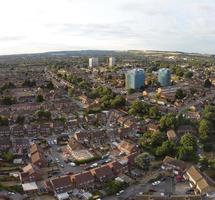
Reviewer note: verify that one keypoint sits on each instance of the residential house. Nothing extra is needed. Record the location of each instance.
(30, 173)
(103, 173)
(83, 180)
(4, 131)
(18, 130)
(45, 129)
(32, 129)
(198, 181)
(37, 156)
(170, 163)
(127, 147)
(171, 135)
(59, 184)
(118, 167)
(5, 144)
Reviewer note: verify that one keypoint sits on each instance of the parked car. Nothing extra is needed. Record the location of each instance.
(156, 183)
(152, 190)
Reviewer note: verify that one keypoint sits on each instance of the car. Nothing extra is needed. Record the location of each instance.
(94, 165)
(189, 191)
(120, 192)
(55, 141)
(180, 178)
(163, 179)
(72, 164)
(156, 183)
(152, 190)
(11, 193)
(62, 166)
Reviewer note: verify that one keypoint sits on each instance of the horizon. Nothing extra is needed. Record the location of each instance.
(72, 25)
(144, 50)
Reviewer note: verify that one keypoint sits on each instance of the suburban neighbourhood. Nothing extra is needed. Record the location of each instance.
(107, 125)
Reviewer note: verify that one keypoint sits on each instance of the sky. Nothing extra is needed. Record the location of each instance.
(30, 26)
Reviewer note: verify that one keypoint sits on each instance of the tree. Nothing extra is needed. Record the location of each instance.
(7, 156)
(118, 101)
(50, 85)
(112, 187)
(150, 141)
(153, 112)
(43, 114)
(29, 83)
(168, 121)
(187, 148)
(20, 119)
(207, 83)
(4, 121)
(139, 108)
(143, 161)
(167, 148)
(180, 94)
(205, 129)
(8, 100)
(188, 140)
(70, 92)
(186, 153)
(189, 74)
(39, 98)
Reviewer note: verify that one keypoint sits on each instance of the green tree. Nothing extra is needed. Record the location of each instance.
(205, 129)
(186, 153)
(180, 94)
(207, 83)
(20, 119)
(139, 108)
(143, 161)
(167, 148)
(7, 156)
(118, 101)
(188, 140)
(7, 100)
(153, 112)
(4, 121)
(70, 92)
(168, 121)
(189, 74)
(112, 187)
(39, 98)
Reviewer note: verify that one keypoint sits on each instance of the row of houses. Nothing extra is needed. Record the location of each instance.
(32, 129)
(92, 178)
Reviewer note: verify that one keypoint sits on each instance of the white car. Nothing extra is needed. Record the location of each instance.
(94, 165)
(120, 192)
(156, 183)
(72, 164)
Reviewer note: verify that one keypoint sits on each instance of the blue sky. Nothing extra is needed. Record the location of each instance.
(50, 25)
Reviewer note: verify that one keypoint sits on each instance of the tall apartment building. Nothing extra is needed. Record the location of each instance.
(112, 61)
(93, 62)
(164, 77)
(135, 79)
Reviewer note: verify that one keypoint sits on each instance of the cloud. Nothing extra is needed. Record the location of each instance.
(104, 30)
(11, 38)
